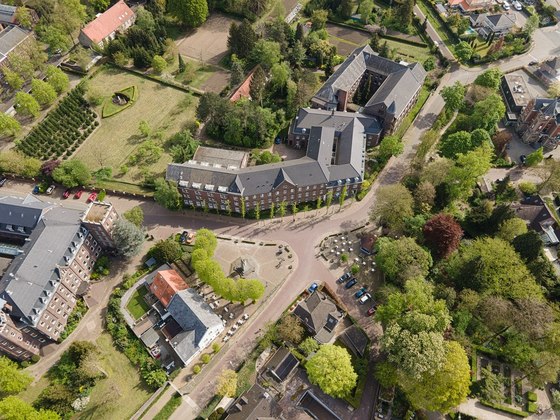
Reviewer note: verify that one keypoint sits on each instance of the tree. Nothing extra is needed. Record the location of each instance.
(488, 112)
(459, 142)
(290, 329)
(254, 290)
(364, 10)
(167, 250)
(464, 51)
(57, 79)
(205, 239)
(159, 64)
(279, 76)
(266, 53)
(402, 259)
(9, 126)
(309, 345)
(531, 24)
(26, 105)
(14, 80)
(23, 17)
(405, 13)
(442, 234)
(241, 39)
(511, 228)
(491, 78)
(227, 384)
(135, 215)
(144, 128)
(128, 238)
(445, 388)
(424, 196)
(319, 19)
(393, 206)
(43, 92)
(237, 74)
(342, 196)
(331, 369)
(258, 83)
(191, 13)
(72, 173)
(182, 65)
(463, 176)
(454, 96)
(529, 245)
(182, 146)
(491, 265)
(491, 387)
(12, 379)
(13, 408)
(553, 90)
(167, 194)
(533, 159)
(390, 146)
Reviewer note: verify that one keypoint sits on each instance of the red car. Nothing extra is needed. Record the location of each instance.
(92, 197)
(78, 193)
(371, 310)
(66, 193)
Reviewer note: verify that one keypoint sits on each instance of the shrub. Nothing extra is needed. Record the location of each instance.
(528, 188)
(196, 369)
(531, 407)
(531, 396)
(35, 358)
(205, 358)
(355, 269)
(216, 347)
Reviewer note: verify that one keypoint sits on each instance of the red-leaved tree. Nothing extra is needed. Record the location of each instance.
(442, 234)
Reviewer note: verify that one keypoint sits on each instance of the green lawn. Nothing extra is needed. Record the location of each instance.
(409, 52)
(33, 391)
(122, 393)
(137, 306)
(166, 110)
(407, 121)
(169, 407)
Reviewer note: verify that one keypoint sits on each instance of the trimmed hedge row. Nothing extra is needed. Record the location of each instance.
(505, 409)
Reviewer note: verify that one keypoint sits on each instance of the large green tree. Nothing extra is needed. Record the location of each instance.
(128, 238)
(191, 13)
(57, 79)
(241, 39)
(464, 174)
(205, 239)
(9, 126)
(390, 146)
(13, 408)
(393, 205)
(167, 194)
(491, 78)
(72, 173)
(402, 259)
(12, 379)
(227, 383)
(454, 96)
(26, 105)
(331, 369)
(464, 51)
(43, 92)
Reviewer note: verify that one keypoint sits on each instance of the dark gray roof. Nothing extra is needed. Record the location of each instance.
(495, 22)
(7, 13)
(185, 345)
(553, 63)
(10, 38)
(399, 89)
(550, 107)
(33, 277)
(193, 314)
(255, 404)
(315, 310)
(24, 212)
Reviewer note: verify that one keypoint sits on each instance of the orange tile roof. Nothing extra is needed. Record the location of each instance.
(108, 22)
(243, 91)
(166, 283)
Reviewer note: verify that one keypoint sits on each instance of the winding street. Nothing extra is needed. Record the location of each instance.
(301, 233)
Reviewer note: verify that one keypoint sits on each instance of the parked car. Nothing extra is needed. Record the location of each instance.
(371, 310)
(50, 189)
(35, 189)
(517, 5)
(91, 197)
(67, 193)
(523, 159)
(313, 287)
(343, 278)
(351, 283)
(190, 237)
(506, 5)
(360, 292)
(3, 180)
(364, 298)
(78, 193)
(533, 63)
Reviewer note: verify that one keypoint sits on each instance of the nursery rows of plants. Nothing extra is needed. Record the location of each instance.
(62, 130)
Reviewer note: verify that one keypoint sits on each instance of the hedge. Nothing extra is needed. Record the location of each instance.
(531, 396)
(532, 407)
(474, 366)
(110, 109)
(505, 409)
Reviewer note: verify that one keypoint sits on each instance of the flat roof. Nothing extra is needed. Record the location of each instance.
(96, 212)
(518, 88)
(222, 157)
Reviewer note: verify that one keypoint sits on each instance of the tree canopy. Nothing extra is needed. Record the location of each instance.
(72, 173)
(12, 379)
(128, 238)
(491, 78)
(402, 259)
(454, 96)
(191, 13)
(331, 369)
(442, 234)
(167, 194)
(393, 206)
(13, 408)
(227, 383)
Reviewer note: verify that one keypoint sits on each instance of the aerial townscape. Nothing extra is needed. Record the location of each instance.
(279, 209)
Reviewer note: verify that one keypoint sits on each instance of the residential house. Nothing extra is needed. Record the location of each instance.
(516, 96)
(549, 71)
(396, 87)
(539, 218)
(8, 15)
(539, 123)
(281, 365)
(335, 160)
(470, 5)
(165, 284)
(12, 38)
(319, 315)
(244, 89)
(254, 404)
(498, 24)
(104, 28)
(195, 325)
(53, 255)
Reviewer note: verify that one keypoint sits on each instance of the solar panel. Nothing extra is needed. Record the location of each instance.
(284, 369)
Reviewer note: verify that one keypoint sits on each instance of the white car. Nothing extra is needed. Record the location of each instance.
(364, 298)
(506, 5)
(517, 5)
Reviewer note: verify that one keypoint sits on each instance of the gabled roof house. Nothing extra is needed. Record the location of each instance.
(497, 24)
(320, 315)
(105, 26)
(165, 284)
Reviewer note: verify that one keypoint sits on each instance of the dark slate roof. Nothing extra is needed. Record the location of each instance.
(315, 310)
(7, 13)
(282, 364)
(553, 63)
(255, 404)
(355, 339)
(22, 212)
(185, 345)
(33, 276)
(550, 107)
(193, 314)
(495, 22)
(399, 89)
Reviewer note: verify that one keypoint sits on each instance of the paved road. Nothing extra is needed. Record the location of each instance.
(432, 33)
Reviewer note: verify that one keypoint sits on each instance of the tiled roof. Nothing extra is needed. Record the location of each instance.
(108, 22)
(315, 310)
(166, 283)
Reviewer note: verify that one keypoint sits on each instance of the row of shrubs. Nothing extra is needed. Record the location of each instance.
(63, 130)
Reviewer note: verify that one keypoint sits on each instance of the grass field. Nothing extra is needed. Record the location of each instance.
(165, 109)
(122, 393)
(137, 306)
(33, 391)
